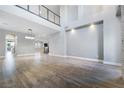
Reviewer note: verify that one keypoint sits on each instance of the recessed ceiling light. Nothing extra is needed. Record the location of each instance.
(92, 26)
(72, 31)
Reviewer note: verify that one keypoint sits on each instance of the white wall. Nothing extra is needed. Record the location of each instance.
(24, 46)
(2, 43)
(84, 42)
(111, 27)
(112, 35)
(57, 44)
(89, 10)
(72, 12)
(57, 41)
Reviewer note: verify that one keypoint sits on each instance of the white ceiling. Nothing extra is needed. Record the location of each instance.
(18, 24)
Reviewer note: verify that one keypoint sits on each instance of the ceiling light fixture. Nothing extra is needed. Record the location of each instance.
(30, 35)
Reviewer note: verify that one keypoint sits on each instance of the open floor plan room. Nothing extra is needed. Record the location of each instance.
(61, 46)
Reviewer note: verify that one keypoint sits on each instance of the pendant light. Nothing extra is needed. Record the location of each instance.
(30, 35)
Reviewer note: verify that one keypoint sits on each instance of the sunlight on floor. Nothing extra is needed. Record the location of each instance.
(37, 58)
(8, 65)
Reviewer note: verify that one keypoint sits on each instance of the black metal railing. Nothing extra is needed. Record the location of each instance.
(43, 12)
(118, 12)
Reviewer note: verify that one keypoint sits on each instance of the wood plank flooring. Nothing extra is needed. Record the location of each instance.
(57, 72)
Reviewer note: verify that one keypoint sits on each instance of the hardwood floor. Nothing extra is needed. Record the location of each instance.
(56, 72)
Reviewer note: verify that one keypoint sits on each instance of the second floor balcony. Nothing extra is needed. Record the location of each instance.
(43, 12)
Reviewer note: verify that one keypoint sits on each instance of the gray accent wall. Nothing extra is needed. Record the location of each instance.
(86, 42)
(24, 46)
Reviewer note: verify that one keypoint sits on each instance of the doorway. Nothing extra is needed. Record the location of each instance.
(10, 43)
(39, 46)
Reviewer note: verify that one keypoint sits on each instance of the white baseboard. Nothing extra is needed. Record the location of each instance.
(21, 55)
(56, 55)
(83, 58)
(112, 63)
(74, 57)
(89, 59)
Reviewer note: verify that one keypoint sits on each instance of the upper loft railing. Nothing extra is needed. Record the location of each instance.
(43, 12)
(118, 12)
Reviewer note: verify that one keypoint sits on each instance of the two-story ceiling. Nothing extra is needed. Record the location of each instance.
(43, 20)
